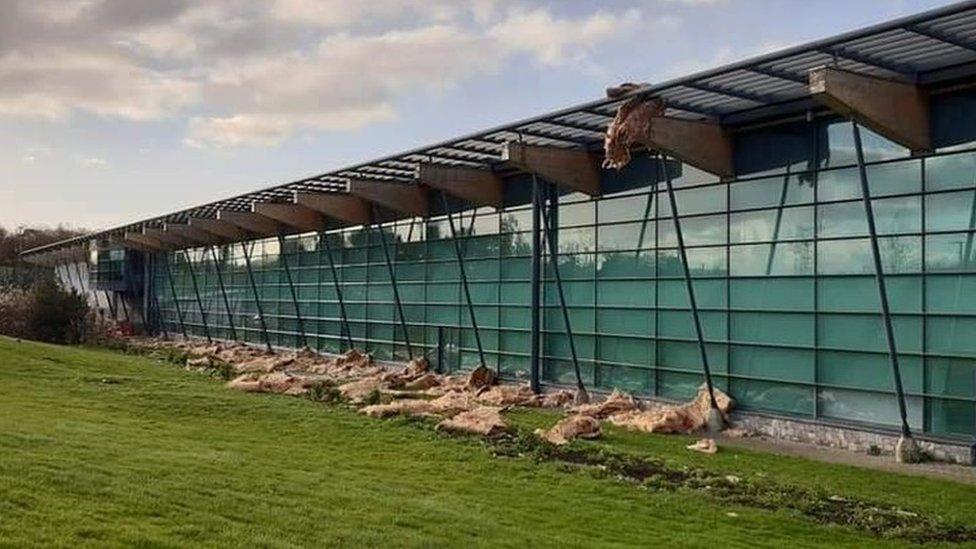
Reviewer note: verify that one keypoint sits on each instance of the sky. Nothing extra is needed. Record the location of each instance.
(113, 111)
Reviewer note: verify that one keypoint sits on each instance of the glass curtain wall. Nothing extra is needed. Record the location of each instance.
(782, 271)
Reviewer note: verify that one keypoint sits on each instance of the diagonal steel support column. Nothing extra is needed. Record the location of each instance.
(548, 229)
(396, 292)
(223, 292)
(291, 288)
(779, 221)
(155, 298)
(535, 366)
(663, 171)
(196, 293)
(464, 278)
(257, 297)
(176, 300)
(344, 318)
(879, 277)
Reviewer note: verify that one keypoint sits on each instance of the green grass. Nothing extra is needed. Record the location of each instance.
(103, 449)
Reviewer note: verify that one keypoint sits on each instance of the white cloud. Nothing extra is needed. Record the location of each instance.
(250, 72)
(28, 159)
(50, 83)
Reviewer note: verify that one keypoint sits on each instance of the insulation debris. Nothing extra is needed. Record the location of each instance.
(571, 427)
(486, 421)
(705, 446)
(630, 126)
(467, 403)
(614, 404)
(685, 418)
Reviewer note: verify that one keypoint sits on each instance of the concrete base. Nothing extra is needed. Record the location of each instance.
(848, 438)
(715, 423)
(907, 450)
(581, 397)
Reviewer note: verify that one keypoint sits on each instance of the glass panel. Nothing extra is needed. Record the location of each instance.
(950, 171)
(954, 211)
(768, 225)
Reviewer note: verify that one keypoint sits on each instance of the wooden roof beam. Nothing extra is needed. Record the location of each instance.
(250, 222)
(218, 228)
(896, 110)
(400, 197)
(479, 187)
(698, 143)
(293, 215)
(192, 234)
(140, 239)
(169, 238)
(574, 169)
(341, 206)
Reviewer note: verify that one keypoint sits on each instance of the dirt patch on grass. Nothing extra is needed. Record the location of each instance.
(656, 475)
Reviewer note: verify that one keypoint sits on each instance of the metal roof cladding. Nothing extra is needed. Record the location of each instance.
(927, 48)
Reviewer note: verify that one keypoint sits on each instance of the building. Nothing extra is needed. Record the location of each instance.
(443, 251)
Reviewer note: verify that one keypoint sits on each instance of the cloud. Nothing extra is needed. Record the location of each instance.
(254, 72)
(50, 83)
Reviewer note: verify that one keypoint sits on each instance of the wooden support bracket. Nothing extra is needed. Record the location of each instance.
(895, 110)
(575, 169)
(476, 186)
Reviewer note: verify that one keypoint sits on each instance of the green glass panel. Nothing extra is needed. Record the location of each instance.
(951, 335)
(625, 321)
(841, 184)
(901, 177)
(866, 332)
(626, 264)
(950, 252)
(860, 293)
(769, 225)
(869, 370)
(627, 350)
(632, 380)
(576, 240)
(515, 317)
(776, 397)
(626, 236)
(684, 355)
(950, 171)
(635, 293)
(867, 407)
(701, 262)
(768, 192)
(696, 201)
(772, 293)
(952, 418)
(951, 293)
(898, 215)
(785, 258)
(696, 231)
(581, 213)
(680, 324)
(843, 219)
(561, 371)
(950, 211)
(626, 208)
(708, 293)
(795, 329)
(678, 386)
(772, 363)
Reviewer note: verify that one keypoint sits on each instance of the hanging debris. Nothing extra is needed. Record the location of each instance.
(631, 124)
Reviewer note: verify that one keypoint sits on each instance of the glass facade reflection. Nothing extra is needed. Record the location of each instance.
(782, 271)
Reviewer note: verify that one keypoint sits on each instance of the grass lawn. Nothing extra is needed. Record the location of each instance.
(103, 449)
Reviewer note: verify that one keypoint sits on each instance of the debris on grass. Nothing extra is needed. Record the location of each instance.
(569, 428)
(705, 446)
(485, 421)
